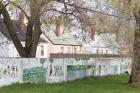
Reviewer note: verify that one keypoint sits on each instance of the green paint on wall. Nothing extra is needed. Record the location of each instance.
(78, 67)
(35, 75)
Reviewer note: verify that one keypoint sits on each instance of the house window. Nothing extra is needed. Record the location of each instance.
(42, 50)
(62, 50)
(68, 50)
(106, 51)
(97, 51)
(75, 50)
(102, 52)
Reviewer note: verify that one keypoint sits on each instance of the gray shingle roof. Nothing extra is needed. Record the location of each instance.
(64, 39)
(21, 34)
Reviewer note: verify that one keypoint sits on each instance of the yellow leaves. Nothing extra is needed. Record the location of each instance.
(124, 5)
(131, 7)
(12, 0)
(113, 2)
(0, 4)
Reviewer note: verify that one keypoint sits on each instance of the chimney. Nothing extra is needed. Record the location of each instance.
(21, 21)
(58, 30)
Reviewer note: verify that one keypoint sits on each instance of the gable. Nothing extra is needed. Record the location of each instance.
(64, 39)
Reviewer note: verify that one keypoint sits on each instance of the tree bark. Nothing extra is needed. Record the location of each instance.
(12, 32)
(32, 34)
(35, 36)
(135, 74)
(32, 37)
(29, 32)
(33, 30)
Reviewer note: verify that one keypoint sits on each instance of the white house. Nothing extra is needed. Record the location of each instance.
(61, 41)
(7, 48)
(103, 44)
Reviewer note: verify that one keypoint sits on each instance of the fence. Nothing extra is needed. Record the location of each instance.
(53, 70)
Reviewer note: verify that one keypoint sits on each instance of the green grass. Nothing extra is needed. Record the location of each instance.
(107, 84)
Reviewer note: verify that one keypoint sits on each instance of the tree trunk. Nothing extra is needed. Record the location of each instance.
(32, 35)
(135, 75)
(12, 32)
(33, 30)
(34, 38)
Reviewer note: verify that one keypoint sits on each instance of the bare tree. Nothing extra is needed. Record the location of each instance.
(71, 11)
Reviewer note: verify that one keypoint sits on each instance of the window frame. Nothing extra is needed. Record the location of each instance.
(42, 50)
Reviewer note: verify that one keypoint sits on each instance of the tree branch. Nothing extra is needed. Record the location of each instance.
(89, 9)
(12, 32)
(13, 3)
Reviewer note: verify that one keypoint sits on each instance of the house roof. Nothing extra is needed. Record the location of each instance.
(64, 39)
(21, 34)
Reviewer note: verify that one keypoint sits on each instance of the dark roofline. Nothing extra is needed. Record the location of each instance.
(41, 40)
(21, 34)
(59, 44)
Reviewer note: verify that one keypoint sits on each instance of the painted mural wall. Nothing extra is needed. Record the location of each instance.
(21, 70)
(79, 71)
(55, 71)
(33, 71)
(42, 70)
(9, 72)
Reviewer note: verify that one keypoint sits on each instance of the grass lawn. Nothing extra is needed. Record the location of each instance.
(107, 84)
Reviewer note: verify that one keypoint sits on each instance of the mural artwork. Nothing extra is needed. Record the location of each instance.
(34, 72)
(79, 71)
(44, 71)
(8, 71)
(34, 75)
(55, 72)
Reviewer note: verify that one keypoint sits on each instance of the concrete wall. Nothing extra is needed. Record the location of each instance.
(9, 71)
(21, 70)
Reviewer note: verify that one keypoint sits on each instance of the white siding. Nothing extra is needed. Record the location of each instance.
(101, 51)
(7, 48)
(38, 53)
(4, 46)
